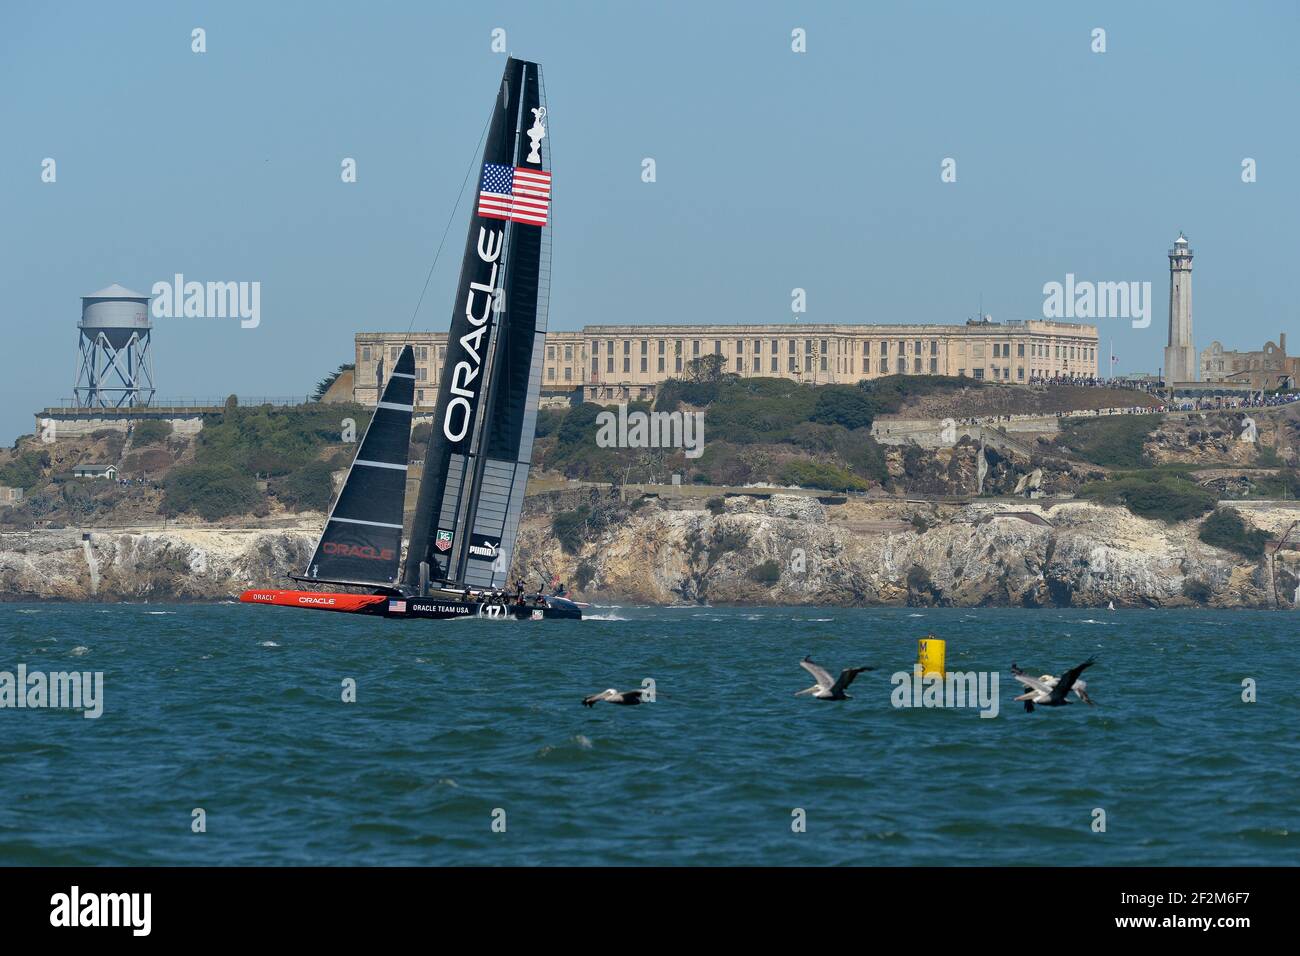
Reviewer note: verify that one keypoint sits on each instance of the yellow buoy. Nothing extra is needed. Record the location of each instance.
(930, 651)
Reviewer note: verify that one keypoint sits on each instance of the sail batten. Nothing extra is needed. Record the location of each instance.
(476, 468)
(361, 542)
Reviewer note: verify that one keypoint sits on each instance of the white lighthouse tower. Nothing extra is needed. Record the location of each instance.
(1180, 354)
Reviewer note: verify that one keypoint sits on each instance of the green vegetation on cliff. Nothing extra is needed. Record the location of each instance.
(274, 441)
(26, 470)
(211, 491)
(1115, 441)
(289, 445)
(1227, 529)
(1158, 495)
(755, 429)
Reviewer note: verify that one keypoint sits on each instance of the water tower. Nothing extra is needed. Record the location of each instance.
(115, 369)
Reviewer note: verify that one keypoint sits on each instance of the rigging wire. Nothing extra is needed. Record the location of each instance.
(446, 229)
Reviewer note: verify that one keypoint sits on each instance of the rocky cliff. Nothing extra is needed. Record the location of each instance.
(796, 550)
(783, 549)
(173, 565)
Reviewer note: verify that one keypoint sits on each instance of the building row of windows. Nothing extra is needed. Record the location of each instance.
(883, 366)
(891, 357)
(811, 347)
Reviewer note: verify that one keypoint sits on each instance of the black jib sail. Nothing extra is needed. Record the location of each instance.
(362, 540)
(476, 467)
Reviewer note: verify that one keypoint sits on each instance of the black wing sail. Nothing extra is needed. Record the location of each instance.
(487, 354)
(362, 540)
(497, 493)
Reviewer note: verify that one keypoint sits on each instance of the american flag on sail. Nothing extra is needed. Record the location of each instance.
(519, 195)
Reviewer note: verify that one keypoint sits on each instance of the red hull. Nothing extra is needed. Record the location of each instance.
(319, 600)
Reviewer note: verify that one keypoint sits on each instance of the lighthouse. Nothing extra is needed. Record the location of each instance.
(1180, 355)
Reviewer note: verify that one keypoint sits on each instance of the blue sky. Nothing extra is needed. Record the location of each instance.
(775, 170)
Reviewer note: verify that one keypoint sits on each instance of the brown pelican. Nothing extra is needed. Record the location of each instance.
(612, 696)
(827, 688)
(1049, 691)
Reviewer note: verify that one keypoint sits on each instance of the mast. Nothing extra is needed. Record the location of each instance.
(472, 486)
(498, 353)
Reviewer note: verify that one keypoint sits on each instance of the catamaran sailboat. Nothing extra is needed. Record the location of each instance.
(466, 521)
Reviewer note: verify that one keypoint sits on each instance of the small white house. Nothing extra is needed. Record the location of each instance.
(95, 471)
(9, 496)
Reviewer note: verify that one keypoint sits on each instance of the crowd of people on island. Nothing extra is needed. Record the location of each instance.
(1093, 381)
(1206, 404)
(1231, 401)
(504, 597)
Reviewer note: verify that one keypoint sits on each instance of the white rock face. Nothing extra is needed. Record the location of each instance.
(183, 564)
(788, 549)
(1077, 554)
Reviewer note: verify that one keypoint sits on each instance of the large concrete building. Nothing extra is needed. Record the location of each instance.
(619, 363)
(1269, 367)
(1180, 353)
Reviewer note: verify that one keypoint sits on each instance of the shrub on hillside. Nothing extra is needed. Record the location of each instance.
(274, 441)
(844, 405)
(16, 519)
(890, 391)
(864, 455)
(548, 420)
(1228, 530)
(744, 410)
(210, 491)
(815, 474)
(579, 427)
(570, 528)
(1162, 496)
(676, 391)
(1285, 484)
(26, 470)
(308, 488)
(1115, 440)
(767, 573)
(151, 431)
(727, 464)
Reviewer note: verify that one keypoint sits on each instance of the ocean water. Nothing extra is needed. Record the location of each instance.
(237, 710)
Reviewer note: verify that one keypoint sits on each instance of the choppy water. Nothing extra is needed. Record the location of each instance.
(238, 710)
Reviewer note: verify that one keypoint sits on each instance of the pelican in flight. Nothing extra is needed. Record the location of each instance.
(626, 697)
(1049, 691)
(828, 688)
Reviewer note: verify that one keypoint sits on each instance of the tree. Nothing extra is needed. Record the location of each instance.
(325, 384)
(705, 368)
(844, 405)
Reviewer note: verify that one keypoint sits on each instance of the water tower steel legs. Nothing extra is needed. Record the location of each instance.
(109, 377)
